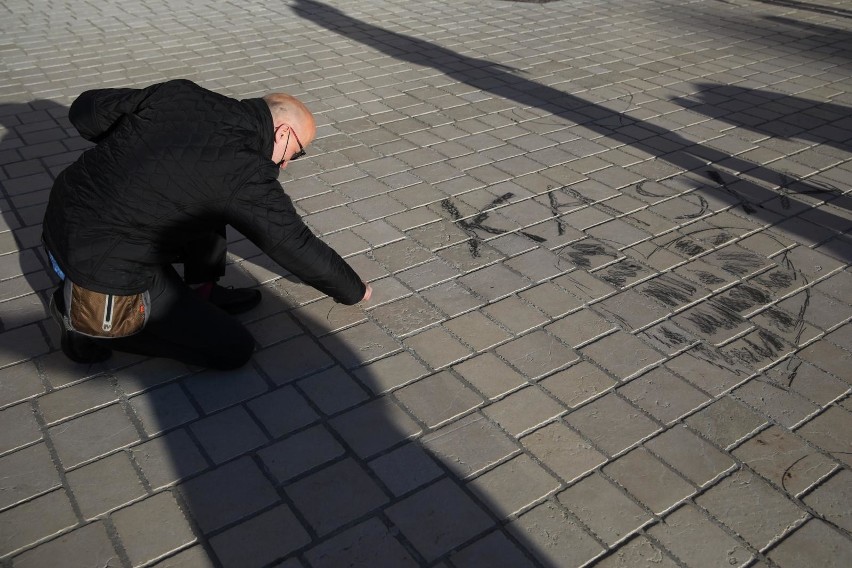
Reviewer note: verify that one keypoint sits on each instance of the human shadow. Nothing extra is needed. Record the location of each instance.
(742, 183)
(774, 114)
(806, 6)
(299, 454)
(34, 146)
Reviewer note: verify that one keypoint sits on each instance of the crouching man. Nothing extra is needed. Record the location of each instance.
(173, 165)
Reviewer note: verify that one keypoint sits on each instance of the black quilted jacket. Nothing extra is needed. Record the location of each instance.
(172, 162)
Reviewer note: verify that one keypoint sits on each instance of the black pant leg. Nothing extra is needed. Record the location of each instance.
(184, 327)
(204, 258)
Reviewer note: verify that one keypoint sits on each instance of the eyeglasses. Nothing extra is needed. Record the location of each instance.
(298, 154)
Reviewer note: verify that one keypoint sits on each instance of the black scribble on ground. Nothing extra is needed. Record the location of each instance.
(619, 273)
(640, 189)
(768, 347)
(703, 207)
(743, 297)
(470, 226)
(712, 316)
(670, 292)
(582, 253)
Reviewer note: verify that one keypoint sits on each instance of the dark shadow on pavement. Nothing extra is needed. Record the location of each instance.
(806, 6)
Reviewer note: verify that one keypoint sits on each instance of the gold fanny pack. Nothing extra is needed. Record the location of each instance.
(104, 315)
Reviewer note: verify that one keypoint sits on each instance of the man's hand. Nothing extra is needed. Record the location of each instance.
(367, 293)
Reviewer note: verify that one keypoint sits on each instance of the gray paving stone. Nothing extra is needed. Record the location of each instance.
(145, 541)
(646, 478)
(469, 445)
(74, 400)
(639, 552)
(405, 468)
(228, 434)
(26, 473)
(827, 432)
(698, 541)
(663, 395)
(267, 537)
(282, 411)
(578, 384)
(92, 435)
(830, 499)
(368, 544)
(168, 459)
(816, 542)
(162, 408)
(391, 372)
(35, 520)
(513, 486)
(84, 547)
(604, 509)
(554, 539)
(438, 518)
(193, 557)
(438, 348)
(105, 485)
(537, 354)
(494, 550)
(226, 494)
(375, 426)
(524, 410)
(622, 354)
(18, 383)
(750, 507)
(515, 315)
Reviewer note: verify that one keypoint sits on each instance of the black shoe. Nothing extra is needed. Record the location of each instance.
(77, 347)
(234, 300)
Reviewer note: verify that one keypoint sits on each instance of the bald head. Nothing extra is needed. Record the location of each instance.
(287, 109)
(289, 113)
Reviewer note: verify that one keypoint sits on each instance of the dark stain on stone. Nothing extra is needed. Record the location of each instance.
(712, 316)
(743, 297)
(618, 274)
(768, 346)
(470, 226)
(669, 291)
(580, 253)
(688, 246)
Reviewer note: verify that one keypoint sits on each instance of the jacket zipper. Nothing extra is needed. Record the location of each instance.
(107, 323)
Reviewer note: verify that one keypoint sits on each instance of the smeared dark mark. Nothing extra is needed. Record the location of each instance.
(743, 297)
(776, 279)
(618, 274)
(713, 316)
(708, 277)
(754, 352)
(669, 291)
(580, 253)
(704, 207)
(687, 246)
(739, 263)
(747, 207)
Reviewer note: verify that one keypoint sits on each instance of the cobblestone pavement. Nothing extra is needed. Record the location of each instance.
(610, 249)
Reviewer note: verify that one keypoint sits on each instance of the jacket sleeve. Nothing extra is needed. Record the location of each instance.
(265, 214)
(95, 112)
